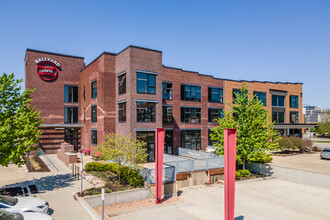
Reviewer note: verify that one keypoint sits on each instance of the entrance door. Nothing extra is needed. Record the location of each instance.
(72, 137)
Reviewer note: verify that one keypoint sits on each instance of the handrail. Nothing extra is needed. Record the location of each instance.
(49, 163)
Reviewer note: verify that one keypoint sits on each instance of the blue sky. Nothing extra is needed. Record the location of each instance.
(251, 40)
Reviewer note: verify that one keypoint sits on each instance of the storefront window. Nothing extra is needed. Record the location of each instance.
(149, 138)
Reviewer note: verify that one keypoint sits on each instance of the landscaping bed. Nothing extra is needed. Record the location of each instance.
(108, 173)
(253, 175)
(35, 164)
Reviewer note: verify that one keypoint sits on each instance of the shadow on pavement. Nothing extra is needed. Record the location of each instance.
(47, 183)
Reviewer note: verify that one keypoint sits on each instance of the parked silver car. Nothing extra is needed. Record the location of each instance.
(325, 153)
(23, 204)
(4, 215)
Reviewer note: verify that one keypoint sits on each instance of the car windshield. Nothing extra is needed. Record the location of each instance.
(326, 150)
(8, 200)
(4, 215)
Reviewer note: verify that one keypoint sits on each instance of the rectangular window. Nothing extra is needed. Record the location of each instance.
(146, 83)
(168, 148)
(262, 96)
(94, 89)
(167, 93)
(215, 113)
(294, 117)
(167, 114)
(122, 84)
(70, 94)
(294, 101)
(84, 94)
(190, 115)
(215, 95)
(84, 115)
(94, 113)
(191, 139)
(146, 111)
(149, 138)
(190, 93)
(122, 112)
(278, 100)
(94, 137)
(278, 117)
(70, 115)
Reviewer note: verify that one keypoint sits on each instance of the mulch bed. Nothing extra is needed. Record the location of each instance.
(290, 153)
(43, 166)
(253, 176)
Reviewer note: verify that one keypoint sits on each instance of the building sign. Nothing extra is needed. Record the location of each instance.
(47, 68)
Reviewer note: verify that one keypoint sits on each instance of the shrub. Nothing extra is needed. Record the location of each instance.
(316, 148)
(127, 174)
(242, 173)
(96, 166)
(295, 143)
(263, 158)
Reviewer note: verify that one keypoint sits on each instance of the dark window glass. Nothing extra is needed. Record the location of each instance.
(146, 83)
(215, 113)
(191, 139)
(294, 117)
(70, 115)
(122, 112)
(190, 115)
(94, 113)
(122, 84)
(236, 93)
(70, 94)
(94, 89)
(149, 138)
(262, 96)
(84, 115)
(294, 101)
(84, 94)
(278, 100)
(167, 93)
(94, 137)
(146, 111)
(215, 95)
(168, 148)
(167, 114)
(278, 117)
(190, 93)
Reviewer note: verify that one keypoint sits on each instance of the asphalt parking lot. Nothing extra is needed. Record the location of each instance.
(307, 162)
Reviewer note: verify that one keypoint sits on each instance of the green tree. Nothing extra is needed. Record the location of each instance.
(324, 128)
(122, 150)
(255, 130)
(19, 122)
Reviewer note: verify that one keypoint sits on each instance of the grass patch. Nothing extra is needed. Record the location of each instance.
(321, 141)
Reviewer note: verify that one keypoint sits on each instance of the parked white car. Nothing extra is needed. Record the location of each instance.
(23, 204)
(4, 215)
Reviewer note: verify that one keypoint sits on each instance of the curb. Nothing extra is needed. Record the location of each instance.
(91, 212)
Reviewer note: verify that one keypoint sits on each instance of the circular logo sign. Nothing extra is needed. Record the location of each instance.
(46, 70)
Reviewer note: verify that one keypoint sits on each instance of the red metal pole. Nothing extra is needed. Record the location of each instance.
(230, 136)
(160, 135)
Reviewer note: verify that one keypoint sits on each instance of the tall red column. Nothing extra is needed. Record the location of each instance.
(160, 135)
(230, 136)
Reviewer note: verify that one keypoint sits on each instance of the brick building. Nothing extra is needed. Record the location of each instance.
(132, 92)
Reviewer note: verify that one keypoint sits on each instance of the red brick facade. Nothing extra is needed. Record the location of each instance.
(49, 96)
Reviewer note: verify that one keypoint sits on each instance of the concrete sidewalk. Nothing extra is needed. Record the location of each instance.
(265, 199)
(56, 188)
